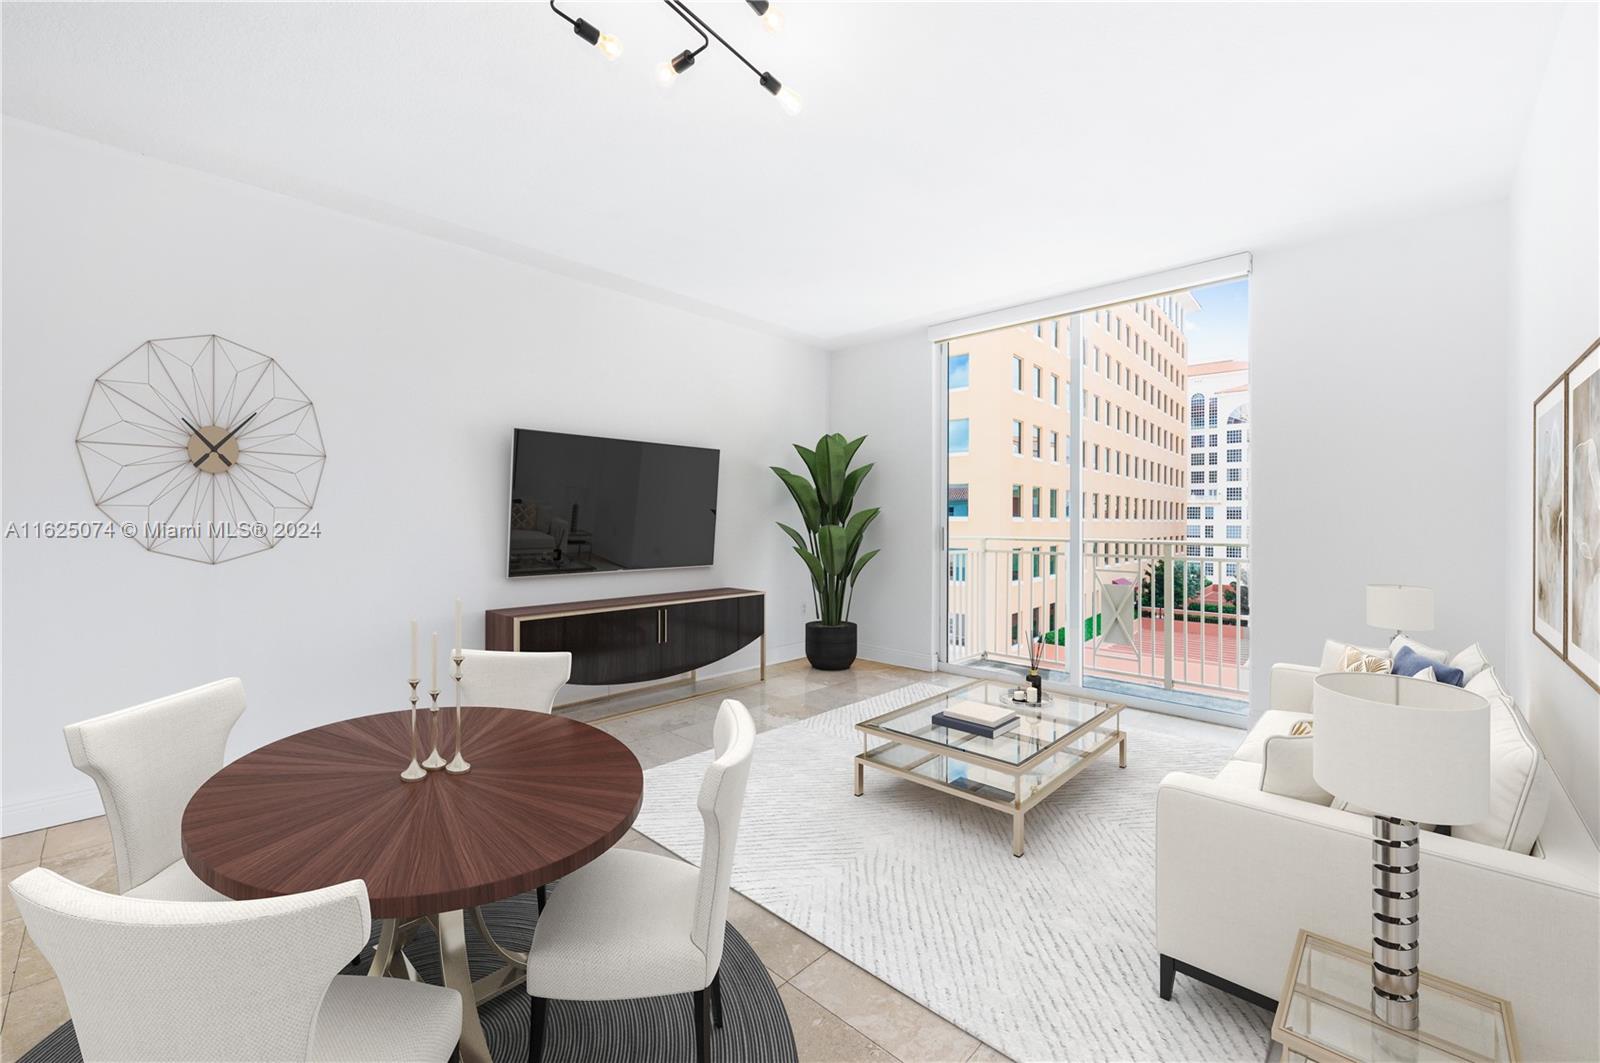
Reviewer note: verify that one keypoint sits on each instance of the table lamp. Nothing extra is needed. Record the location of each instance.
(1412, 751)
(1400, 608)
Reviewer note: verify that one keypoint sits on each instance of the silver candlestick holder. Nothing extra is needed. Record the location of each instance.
(413, 770)
(434, 760)
(458, 764)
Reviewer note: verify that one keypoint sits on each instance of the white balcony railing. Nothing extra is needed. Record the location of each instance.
(1004, 592)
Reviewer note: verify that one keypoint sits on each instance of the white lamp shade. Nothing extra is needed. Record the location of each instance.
(1399, 608)
(1402, 747)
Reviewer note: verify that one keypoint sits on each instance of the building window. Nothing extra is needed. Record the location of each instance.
(1037, 434)
(958, 566)
(1194, 513)
(1197, 458)
(1013, 629)
(1235, 494)
(1192, 531)
(1235, 551)
(1016, 501)
(1211, 531)
(960, 370)
(1236, 513)
(1035, 501)
(1235, 532)
(1197, 411)
(1211, 476)
(1036, 570)
(1211, 416)
(1052, 626)
(1052, 503)
(1052, 572)
(956, 506)
(1211, 458)
(1055, 334)
(1236, 435)
(960, 435)
(1016, 373)
(1055, 449)
(1197, 477)
(1233, 475)
(1016, 437)
(1016, 565)
(1236, 454)
(1035, 632)
(1055, 390)
(1038, 382)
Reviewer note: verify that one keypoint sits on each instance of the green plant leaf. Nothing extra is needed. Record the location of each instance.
(819, 578)
(805, 496)
(814, 465)
(836, 466)
(833, 544)
(861, 563)
(851, 447)
(799, 540)
(852, 483)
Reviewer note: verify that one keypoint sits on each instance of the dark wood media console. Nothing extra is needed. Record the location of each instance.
(631, 640)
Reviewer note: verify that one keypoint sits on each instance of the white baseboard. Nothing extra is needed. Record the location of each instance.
(924, 662)
(23, 816)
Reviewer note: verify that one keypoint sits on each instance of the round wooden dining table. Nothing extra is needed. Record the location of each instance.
(544, 796)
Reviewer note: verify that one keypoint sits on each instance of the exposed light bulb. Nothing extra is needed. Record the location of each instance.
(666, 75)
(790, 100)
(772, 18)
(609, 46)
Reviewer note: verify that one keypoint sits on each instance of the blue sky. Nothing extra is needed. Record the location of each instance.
(1217, 332)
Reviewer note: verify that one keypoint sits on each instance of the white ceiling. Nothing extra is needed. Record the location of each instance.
(952, 157)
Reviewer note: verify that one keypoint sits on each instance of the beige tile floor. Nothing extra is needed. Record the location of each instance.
(839, 1011)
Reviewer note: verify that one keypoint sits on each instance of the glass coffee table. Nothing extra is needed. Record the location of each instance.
(1009, 773)
(1325, 1015)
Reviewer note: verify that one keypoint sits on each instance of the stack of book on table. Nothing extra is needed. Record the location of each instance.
(975, 717)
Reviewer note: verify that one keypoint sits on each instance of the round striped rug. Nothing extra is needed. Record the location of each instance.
(755, 1025)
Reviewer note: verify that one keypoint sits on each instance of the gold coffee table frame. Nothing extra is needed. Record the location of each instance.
(1073, 760)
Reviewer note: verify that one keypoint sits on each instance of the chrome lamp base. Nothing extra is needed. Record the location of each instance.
(1396, 948)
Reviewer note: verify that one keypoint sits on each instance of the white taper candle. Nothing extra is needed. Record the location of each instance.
(457, 652)
(414, 677)
(433, 663)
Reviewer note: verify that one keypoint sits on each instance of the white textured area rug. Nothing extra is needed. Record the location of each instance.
(1047, 957)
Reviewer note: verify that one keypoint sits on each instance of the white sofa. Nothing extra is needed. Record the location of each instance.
(1239, 871)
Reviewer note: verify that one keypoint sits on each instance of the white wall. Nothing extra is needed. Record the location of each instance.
(1378, 359)
(885, 390)
(1377, 377)
(1555, 314)
(421, 357)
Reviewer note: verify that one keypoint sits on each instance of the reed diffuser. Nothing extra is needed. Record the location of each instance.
(1035, 682)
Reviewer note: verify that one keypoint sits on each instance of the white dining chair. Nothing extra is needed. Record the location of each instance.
(509, 679)
(631, 924)
(229, 980)
(513, 680)
(147, 762)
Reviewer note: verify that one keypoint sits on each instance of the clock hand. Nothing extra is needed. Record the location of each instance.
(214, 446)
(237, 429)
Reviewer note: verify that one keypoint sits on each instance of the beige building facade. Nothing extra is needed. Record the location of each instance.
(1011, 460)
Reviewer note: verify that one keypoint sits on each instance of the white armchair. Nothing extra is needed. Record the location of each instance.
(147, 762)
(229, 980)
(635, 924)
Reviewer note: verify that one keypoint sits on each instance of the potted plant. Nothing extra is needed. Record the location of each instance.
(831, 545)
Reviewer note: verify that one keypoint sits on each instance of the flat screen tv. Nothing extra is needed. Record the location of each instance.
(590, 504)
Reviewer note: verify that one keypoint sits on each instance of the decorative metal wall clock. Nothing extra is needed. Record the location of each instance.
(201, 448)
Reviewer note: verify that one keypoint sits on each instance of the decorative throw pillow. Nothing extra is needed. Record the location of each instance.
(1520, 780)
(1356, 659)
(1471, 660)
(1333, 653)
(1426, 675)
(1301, 728)
(1286, 770)
(1409, 662)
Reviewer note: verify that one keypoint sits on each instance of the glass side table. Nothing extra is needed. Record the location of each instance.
(1324, 1015)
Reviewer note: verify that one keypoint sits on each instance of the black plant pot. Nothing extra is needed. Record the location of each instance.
(830, 647)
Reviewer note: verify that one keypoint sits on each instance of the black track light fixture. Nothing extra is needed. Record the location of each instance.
(788, 99)
(771, 15)
(609, 46)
